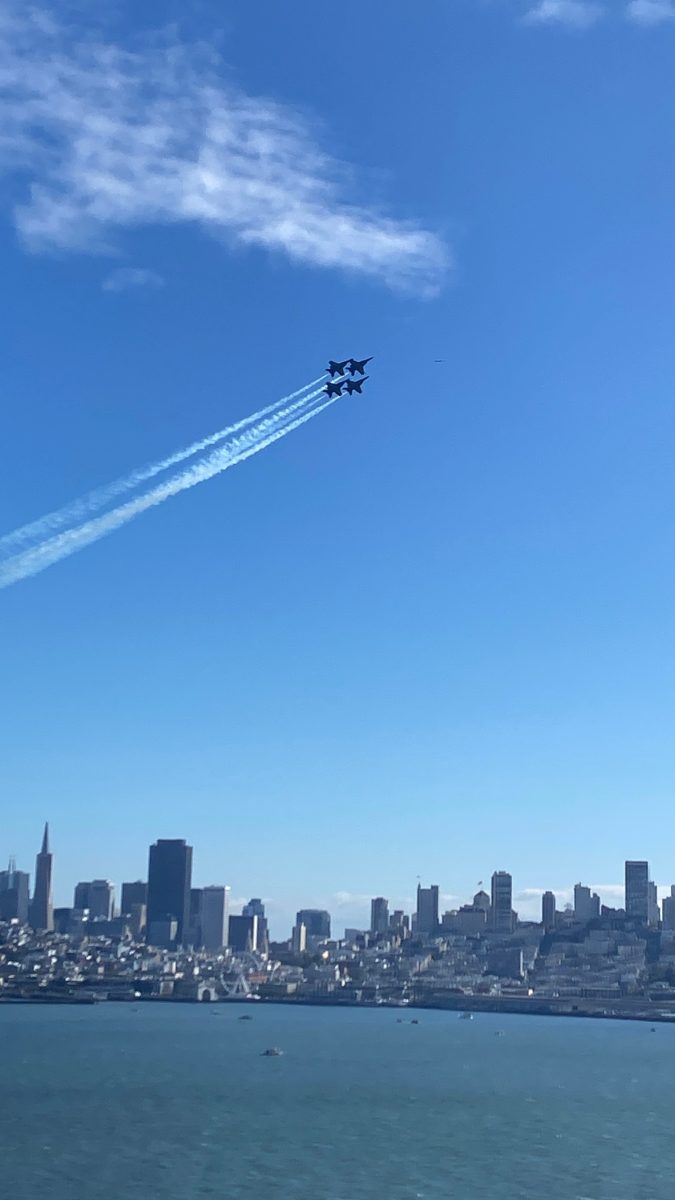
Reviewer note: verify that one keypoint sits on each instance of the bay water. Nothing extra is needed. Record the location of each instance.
(166, 1101)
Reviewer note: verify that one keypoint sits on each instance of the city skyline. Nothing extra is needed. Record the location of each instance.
(347, 910)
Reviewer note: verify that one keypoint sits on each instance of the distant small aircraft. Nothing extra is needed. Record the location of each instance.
(355, 365)
(334, 389)
(355, 385)
(336, 368)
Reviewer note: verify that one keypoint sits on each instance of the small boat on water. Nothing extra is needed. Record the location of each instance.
(466, 1016)
(246, 1017)
(273, 1052)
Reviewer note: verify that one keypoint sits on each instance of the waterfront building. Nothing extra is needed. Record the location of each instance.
(42, 906)
(379, 915)
(427, 909)
(637, 890)
(502, 902)
(169, 879)
(133, 894)
(316, 922)
(214, 918)
(548, 911)
(14, 894)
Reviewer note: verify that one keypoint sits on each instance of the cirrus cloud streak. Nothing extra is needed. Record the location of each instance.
(103, 137)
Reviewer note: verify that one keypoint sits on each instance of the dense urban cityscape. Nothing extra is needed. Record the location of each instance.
(167, 940)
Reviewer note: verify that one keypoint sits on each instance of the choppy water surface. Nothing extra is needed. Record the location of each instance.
(173, 1101)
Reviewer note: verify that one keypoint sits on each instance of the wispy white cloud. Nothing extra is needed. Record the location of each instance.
(106, 138)
(575, 14)
(131, 277)
(651, 12)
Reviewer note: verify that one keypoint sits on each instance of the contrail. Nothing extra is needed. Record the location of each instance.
(101, 497)
(30, 562)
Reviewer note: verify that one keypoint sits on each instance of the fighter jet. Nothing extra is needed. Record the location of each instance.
(334, 389)
(355, 365)
(355, 385)
(336, 368)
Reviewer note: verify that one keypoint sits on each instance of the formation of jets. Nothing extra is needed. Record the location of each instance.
(347, 370)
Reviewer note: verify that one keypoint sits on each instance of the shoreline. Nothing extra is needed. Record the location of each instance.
(466, 1004)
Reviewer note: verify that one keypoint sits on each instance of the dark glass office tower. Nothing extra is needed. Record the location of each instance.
(637, 890)
(14, 894)
(169, 879)
(133, 893)
(316, 922)
(427, 909)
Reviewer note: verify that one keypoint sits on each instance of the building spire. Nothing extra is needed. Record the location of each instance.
(45, 839)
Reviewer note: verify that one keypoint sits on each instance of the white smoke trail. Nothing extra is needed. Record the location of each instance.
(100, 497)
(30, 562)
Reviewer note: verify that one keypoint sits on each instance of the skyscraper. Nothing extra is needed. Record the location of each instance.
(316, 922)
(502, 902)
(548, 906)
(653, 905)
(379, 915)
(14, 894)
(637, 890)
(243, 933)
(586, 904)
(98, 895)
(299, 939)
(668, 907)
(133, 893)
(256, 908)
(81, 895)
(214, 918)
(427, 909)
(42, 907)
(169, 878)
(194, 933)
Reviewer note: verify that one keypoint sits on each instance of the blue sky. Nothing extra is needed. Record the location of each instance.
(430, 633)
